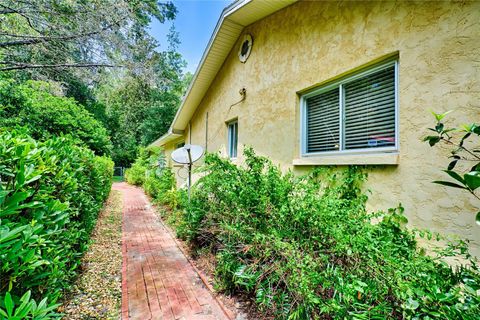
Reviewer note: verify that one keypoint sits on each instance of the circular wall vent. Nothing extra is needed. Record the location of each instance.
(245, 48)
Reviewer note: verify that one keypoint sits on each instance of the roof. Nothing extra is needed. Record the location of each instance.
(232, 21)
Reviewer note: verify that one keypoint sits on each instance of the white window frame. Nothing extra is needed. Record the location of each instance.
(230, 125)
(339, 84)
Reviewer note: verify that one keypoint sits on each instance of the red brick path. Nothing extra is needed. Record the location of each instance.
(158, 282)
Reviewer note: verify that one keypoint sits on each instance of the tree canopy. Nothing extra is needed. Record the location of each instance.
(44, 34)
(39, 107)
(99, 66)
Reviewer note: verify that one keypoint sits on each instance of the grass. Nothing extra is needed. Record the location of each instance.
(118, 179)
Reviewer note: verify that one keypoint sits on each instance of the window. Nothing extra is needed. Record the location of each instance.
(232, 138)
(355, 114)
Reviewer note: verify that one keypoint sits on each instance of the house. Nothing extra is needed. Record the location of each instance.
(339, 83)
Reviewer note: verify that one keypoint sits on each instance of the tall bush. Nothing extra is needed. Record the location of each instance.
(150, 172)
(50, 196)
(147, 161)
(305, 247)
(38, 106)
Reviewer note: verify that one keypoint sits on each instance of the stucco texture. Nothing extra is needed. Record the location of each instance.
(308, 43)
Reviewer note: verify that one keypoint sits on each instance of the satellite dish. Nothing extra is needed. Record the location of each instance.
(187, 154)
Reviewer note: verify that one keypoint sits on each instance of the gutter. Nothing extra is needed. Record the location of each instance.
(225, 21)
(167, 137)
(171, 135)
(226, 12)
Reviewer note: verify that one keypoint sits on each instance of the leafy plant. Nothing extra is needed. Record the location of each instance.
(27, 309)
(39, 107)
(148, 161)
(461, 153)
(149, 171)
(50, 195)
(304, 247)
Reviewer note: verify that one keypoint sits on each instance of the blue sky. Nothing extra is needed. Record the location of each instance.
(195, 22)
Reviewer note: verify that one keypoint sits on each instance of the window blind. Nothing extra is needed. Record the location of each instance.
(323, 122)
(370, 110)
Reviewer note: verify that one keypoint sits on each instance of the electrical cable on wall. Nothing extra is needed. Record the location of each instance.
(210, 138)
(243, 93)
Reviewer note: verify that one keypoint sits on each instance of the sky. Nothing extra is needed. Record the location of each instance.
(195, 22)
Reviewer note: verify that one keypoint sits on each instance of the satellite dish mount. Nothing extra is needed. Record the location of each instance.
(188, 154)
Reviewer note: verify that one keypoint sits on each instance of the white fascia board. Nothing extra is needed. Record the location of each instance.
(226, 27)
(227, 11)
(166, 138)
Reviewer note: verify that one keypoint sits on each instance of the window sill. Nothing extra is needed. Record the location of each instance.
(350, 159)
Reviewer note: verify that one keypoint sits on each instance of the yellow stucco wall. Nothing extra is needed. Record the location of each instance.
(438, 46)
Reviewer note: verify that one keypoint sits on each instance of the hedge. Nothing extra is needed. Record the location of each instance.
(304, 247)
(150, 172)
(50, 195)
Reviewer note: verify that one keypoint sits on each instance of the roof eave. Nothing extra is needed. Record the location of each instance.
(226, 11)
(232, 21)
(166, 138)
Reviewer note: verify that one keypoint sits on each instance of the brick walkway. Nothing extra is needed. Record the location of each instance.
(158, 282)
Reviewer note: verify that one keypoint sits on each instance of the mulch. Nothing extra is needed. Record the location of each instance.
(97, 292)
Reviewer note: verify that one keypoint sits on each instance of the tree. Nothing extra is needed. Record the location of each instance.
(40, 108)
(461, 152)
(100, 53)
(59, 34)
(138, 112)
(140, 107)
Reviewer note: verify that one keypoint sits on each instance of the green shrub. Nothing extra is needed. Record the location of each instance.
(50, 196)
(37, 106)
(157, 180)
(148, 160)
(161, 186)
(463, 153)
(27, 308)
(305, 247)
(136, 174)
